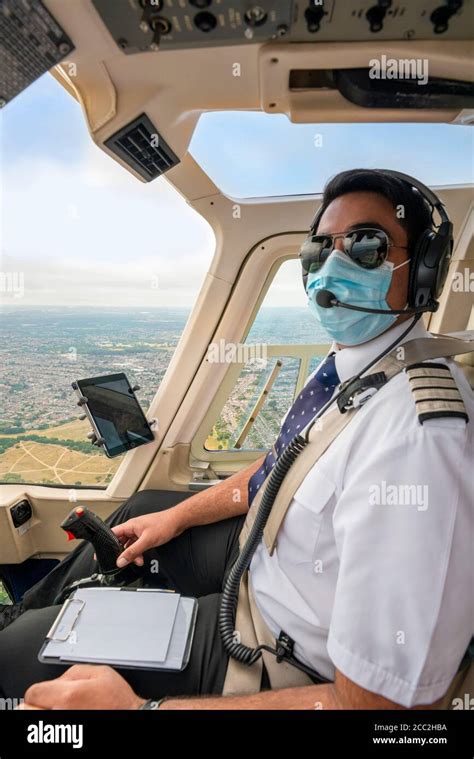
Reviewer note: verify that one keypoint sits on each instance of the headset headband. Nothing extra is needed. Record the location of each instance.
(428, 194)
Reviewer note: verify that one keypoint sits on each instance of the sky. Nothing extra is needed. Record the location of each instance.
(83, 231)
(282, 158)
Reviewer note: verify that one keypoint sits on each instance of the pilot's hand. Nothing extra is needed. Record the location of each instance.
(142, 533)
(84, 686)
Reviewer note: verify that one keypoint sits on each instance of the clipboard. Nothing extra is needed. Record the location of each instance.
(138, 628)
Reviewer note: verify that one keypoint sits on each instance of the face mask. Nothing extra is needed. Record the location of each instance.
(350, 283)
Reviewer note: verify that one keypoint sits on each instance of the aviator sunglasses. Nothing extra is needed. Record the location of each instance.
(367, 247)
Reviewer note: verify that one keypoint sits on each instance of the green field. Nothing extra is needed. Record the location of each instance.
(59, 455)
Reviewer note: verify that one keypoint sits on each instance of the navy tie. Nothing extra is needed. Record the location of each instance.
(311, 399)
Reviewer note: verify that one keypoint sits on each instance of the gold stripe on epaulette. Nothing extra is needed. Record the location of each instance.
(428, 406)
(433, 393)
(422, 382)
(441, 372)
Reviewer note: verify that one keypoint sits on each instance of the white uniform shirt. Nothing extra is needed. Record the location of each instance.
(372, 572)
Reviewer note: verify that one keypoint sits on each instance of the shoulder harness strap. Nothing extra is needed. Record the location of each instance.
(435, 392)
(331, 425)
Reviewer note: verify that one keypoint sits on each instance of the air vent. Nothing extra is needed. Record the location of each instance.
(142, 147)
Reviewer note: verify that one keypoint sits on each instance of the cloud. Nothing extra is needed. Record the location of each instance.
(286, 288)
(150, 281)
(89, 233)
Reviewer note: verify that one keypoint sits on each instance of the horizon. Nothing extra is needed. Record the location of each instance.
(144, 309)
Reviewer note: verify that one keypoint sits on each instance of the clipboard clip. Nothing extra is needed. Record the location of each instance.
(60, 625)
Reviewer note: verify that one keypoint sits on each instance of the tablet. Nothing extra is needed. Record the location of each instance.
(114, 412)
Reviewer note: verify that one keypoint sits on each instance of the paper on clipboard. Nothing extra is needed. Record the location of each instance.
(119, 626)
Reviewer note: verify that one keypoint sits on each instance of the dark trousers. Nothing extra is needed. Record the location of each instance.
(194, 564)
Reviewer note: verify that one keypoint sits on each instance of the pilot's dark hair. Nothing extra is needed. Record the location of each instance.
(418, 213)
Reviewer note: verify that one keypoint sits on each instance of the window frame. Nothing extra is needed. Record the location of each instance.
(219, 459)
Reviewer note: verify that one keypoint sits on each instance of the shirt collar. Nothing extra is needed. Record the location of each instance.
(350, 360)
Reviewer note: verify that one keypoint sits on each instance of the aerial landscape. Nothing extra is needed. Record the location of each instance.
(43, 350)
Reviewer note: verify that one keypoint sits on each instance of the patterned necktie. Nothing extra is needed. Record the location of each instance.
(311, 399)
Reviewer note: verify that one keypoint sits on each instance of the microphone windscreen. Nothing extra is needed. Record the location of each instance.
(325, 298)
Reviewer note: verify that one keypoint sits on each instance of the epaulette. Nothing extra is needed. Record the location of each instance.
(435, 392)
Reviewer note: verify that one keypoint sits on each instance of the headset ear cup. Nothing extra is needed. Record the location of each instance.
(417, 255)
(423, 275)
(443, 267)
(430, 267)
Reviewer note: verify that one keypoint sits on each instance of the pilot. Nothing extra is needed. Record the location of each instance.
(371, 574)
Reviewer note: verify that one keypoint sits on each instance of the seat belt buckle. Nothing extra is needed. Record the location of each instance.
(363, 396)
(356, 392)
(284, 647)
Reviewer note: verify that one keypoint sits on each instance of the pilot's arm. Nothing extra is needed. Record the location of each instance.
(86, 686)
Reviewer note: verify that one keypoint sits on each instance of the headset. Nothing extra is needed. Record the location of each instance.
(429, 262)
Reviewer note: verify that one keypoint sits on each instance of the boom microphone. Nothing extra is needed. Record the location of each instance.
(327, 299)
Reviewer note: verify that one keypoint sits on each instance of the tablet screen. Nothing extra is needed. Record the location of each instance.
(116, 412)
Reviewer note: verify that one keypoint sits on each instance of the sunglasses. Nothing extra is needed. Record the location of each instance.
(367, 247)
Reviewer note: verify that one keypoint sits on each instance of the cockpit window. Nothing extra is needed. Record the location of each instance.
(288, 346)
(94, 280)
(261, 154)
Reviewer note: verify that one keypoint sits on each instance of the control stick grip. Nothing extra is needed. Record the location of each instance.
(83, 524)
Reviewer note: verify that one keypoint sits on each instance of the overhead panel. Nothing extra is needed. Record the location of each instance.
(139, 26)
(144, 25)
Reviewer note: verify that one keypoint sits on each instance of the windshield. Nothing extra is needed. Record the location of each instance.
(249, 154)
(94, 279)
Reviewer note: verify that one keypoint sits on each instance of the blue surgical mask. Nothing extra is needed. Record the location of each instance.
(351, 284)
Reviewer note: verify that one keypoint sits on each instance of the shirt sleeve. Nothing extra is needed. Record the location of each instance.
(402, 616)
